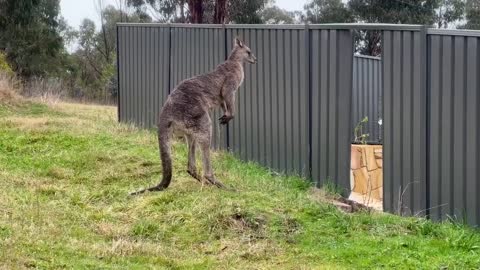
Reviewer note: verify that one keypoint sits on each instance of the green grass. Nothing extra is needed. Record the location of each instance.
(66, 172)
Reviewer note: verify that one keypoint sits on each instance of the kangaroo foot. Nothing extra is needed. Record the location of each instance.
(194, 175)
(150, 189)
(215, 182)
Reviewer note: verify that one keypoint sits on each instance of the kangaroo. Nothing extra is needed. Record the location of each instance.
(186, 111)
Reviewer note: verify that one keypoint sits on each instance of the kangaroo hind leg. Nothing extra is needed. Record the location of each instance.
(204, 140)
(192, 166)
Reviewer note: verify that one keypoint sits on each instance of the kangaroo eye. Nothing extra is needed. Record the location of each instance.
(249, 53)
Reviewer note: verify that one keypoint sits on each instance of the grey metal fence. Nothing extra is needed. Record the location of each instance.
(454, 129)
(331, 64)
(405, 132)
(367, 96)
(143, 68)
(195, 51)
(272, 122)
(295, 106)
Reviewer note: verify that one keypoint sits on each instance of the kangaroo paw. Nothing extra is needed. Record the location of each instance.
(224, 119)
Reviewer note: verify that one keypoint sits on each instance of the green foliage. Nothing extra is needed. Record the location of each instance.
(4, 66)
(404, 12)
(146, 229)
(472, 15)
(93, 64)
(106, 37)
(439, 12)
(29, 36)
(332, 189)
(328, 11)
(67, 206)
(246, 11)
(450, 11)
(368, 42)
(239, 11)
(397, 12)
(33, 37)
(164, 10)
(361, 137)
(276, 15)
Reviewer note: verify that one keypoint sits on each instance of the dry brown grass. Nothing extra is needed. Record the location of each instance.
(47, 90)
(9, 88)
(28, 123)
(50, 91)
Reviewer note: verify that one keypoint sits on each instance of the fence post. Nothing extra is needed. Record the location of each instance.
(308, 78)
(225, 50)
(118, 76)
(425, 72)
(169, 58)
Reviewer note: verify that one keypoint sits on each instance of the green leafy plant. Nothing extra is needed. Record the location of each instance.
(4, 66)
(360, 137)
(331, 188)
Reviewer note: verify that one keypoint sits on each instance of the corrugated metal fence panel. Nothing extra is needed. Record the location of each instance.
(195, 51)
(404, 148)
(271, 126)
(331, 84)
(143, 67)
(367, 95)
(294, 108)
(454, 80)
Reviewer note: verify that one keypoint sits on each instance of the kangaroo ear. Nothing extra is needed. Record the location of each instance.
(238, 42)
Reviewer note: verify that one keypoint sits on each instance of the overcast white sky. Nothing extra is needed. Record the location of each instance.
(74, 11)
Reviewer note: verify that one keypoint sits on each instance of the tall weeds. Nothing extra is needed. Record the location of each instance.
(10, 88)
(47, 90)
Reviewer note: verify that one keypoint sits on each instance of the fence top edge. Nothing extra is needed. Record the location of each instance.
(367, 57)
(333, 26)
(368, 26)
(189, 25)
(266, 26)
(143, 24)
(166, 25)
(453, 32)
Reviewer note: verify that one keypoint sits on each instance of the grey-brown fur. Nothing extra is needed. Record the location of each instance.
(187, 111)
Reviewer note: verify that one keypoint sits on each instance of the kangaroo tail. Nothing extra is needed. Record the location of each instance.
(164, 130)
(165, 155)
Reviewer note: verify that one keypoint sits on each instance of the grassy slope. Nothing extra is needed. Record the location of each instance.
(66, 171)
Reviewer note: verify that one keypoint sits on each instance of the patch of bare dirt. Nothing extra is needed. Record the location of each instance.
(344, 204)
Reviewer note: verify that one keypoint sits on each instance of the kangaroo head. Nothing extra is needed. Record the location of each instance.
(242, 53)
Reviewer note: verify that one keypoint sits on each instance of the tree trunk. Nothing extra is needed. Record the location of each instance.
(196, 11)
(373, 48)
(220, 10)
(182, 11)
(104, 32)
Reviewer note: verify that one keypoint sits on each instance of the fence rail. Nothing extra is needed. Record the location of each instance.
(298, 105)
